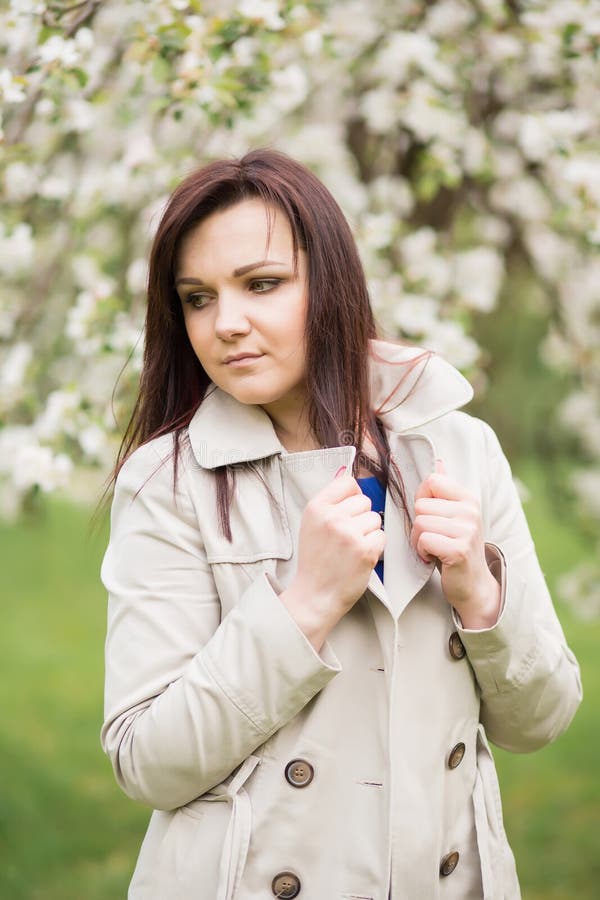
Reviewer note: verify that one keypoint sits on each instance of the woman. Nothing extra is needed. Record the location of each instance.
(305, 711)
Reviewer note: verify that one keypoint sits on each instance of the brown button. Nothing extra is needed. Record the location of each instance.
(456, 646)
(286, 885)
(456, 755)
(448, 864)
(299, 773)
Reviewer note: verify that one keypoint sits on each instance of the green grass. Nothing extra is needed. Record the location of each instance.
(552, 797)
(67, 833)
(65, 829)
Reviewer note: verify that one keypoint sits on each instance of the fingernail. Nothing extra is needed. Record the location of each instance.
(339, 471)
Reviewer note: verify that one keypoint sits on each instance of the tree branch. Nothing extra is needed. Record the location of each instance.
(18, 126)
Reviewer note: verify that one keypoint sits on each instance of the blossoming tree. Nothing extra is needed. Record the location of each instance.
(461, 139)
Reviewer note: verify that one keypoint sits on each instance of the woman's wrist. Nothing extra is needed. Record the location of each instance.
(314, 625)
(483, 611)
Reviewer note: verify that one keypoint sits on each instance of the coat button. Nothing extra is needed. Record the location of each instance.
(456, 646)
(456, 755)
(448, 864)
(299, 773)
(286, 885)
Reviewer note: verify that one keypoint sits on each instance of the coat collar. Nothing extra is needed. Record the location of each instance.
(224, 431)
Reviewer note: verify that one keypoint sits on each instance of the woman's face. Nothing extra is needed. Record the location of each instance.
(241, 299)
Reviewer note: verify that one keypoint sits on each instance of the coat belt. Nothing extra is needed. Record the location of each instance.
(237, 836)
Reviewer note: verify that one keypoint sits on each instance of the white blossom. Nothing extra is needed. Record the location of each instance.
(290, 87)
(551, 254)
(93, 441)
(12, 90)
(493, 230)
(378, 229)
(20, 181)
(422, 264)
(61, 50)
(448, 17)
(58, 415)
(245, 50)
(580, 589)
(54, 187)
(541, 134)
(312, 42)
(556, 352)
(80, 115)
(583, 172)
(523, 198)
(475, 151)
(404, 50)
(500, 47)
(586, 483)
(478, 276)
(16, 249)
(449, 340)
(139, 150)
(381, 108)
(137, 275)
(425, 114)
(27, 7)
(416, 315)
(267, 11)
(38, 466)
(392, 192)
(13, 370)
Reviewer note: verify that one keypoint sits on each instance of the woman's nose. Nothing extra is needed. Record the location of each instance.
(231, 318)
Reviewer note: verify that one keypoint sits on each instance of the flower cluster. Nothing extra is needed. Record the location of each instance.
(459, 137)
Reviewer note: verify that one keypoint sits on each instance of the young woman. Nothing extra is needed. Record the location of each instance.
(323, 594)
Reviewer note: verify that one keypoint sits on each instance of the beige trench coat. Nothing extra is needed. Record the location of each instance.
(344, 775)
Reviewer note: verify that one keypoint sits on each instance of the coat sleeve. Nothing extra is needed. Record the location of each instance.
(187, 696)
(529, 678)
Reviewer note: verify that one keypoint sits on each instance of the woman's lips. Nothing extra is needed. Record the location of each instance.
(243, 361)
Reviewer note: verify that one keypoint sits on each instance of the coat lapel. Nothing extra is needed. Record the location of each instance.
(404, 572)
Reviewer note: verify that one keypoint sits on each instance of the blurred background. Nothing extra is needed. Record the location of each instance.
(462, 141)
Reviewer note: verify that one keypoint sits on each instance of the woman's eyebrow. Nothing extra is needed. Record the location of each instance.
(263, 262)
(236, 272)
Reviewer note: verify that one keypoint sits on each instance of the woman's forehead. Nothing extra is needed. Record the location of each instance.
(230, 236)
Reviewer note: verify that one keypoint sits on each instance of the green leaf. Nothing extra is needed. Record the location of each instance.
(46, 32)
(569, 32)
(161, 69)
(81, 75)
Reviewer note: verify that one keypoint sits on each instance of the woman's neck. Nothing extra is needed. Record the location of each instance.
(297, 440)
(301, 439)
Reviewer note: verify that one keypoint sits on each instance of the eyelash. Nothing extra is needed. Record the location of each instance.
(273, 282)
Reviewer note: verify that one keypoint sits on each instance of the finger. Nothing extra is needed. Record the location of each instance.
(375, 544)
(368, 522)
(433, 506)
(439, 525)
(440, 468)
(435, 525)
(440, 546)
(342, 486)
(354, 505)
(442, 487)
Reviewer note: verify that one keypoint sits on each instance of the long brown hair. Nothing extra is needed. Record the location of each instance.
(339, 322)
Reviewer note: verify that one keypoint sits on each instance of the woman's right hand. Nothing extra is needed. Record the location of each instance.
(339, 545)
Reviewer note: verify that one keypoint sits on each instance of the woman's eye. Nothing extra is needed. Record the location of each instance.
(197, 300)
(262, 285)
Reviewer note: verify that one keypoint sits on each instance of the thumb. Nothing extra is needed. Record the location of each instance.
(440, 468)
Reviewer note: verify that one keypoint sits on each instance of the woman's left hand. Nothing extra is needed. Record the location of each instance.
(448, 527)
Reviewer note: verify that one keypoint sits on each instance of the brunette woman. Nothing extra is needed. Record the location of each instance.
(324, 597)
